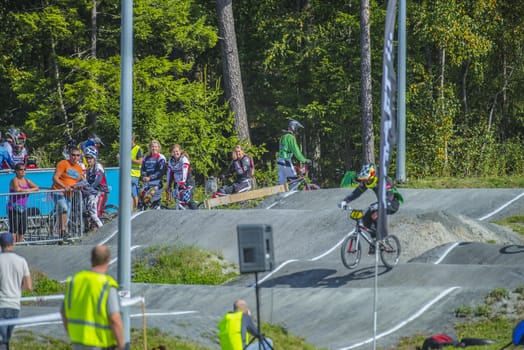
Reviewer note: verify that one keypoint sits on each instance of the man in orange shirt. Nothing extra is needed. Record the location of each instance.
(68, 173)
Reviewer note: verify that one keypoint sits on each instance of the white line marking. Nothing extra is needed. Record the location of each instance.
(333, 248)
(450, 248)
(501, 207)
(272, 205)
(403, 323)
(275, 270)
(114, 260)
(114, 233)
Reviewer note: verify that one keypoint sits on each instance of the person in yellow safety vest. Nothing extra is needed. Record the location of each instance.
(233, 329)
(136, 165)
(91, 308)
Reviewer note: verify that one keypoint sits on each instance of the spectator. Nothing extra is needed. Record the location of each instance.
(288, 148)
(68, 173)
(17, 204)
(179, 175)
(136, 164)
(153, 171)
(91, 308)
(15, 276)
(6, 162)
(96, 188)
(242, 169)
(233, 329)
(15, 145)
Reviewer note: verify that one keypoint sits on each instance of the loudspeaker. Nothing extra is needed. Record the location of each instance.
(255, 248)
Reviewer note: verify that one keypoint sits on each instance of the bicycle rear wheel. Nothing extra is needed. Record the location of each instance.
(389, 250)
(351, 251)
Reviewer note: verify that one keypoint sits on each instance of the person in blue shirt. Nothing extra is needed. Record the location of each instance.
(5, 158)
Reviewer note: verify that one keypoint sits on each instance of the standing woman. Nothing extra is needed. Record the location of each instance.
(17, 205)
(153, 169)
(179, 175)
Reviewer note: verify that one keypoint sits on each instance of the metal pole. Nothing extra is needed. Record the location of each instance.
(126, 123)
(401, 100)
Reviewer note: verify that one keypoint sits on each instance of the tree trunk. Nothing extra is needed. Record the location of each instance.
(368, 138)
(93, 30)
(231, 68)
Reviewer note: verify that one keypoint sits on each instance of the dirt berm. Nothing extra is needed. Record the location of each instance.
(451, 256)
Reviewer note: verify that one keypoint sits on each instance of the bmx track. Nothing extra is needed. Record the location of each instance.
(452, 256)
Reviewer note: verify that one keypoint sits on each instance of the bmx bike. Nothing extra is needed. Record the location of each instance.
(351, 249)
(302, 182)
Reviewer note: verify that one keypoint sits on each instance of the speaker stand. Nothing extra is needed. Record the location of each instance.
(259, 336)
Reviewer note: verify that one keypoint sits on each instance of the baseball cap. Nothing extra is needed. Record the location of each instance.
(6, 238)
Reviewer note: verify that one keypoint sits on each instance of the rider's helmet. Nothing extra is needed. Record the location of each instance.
(12, 134)
(91, 152)
(368, 175)
(96, 140)
(20, 140)
(294, 125)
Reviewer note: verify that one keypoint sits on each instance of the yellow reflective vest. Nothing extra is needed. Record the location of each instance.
(85, 308)
(135, 168)
(230, 331)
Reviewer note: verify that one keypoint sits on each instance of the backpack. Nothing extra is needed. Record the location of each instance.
(438, 341)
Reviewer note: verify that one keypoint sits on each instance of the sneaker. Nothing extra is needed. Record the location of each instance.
(371, 250)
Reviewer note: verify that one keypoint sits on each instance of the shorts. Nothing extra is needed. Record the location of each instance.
(134, 186)
(63, 203)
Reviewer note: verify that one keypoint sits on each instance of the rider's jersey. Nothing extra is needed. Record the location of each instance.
(242, 168)
(154, 167)
(392, 193)
(18, 155)
(179, 171)
(96, 178)
(288, 148)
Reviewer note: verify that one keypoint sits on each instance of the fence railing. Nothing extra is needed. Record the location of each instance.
(38, 219)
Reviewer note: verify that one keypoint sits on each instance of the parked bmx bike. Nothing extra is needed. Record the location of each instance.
(351, 249)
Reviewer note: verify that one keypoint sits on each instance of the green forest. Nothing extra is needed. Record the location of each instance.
(300, 59)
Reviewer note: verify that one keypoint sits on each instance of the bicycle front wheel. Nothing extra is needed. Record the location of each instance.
(351, 251)
(389, 250)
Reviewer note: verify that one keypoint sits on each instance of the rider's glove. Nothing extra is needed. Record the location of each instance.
(342, 205)
(308, 161)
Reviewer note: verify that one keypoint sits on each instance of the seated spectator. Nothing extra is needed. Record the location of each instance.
(242, 169)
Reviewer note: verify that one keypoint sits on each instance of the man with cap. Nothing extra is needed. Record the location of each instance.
(14, 276)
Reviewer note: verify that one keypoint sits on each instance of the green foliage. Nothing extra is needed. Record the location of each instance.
(181, 265)
(43, 285)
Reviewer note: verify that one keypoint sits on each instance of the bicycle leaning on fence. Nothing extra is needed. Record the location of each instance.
(302, 182)
(351, 249)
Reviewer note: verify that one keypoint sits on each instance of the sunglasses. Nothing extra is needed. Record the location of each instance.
(75, 154)
(20, 169)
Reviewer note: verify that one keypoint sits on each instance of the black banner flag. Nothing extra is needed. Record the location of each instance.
(387, 121)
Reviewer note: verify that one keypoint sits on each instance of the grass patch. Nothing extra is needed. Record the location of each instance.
(516, 223)
(43, 285)
(182, 265)
(467, 182)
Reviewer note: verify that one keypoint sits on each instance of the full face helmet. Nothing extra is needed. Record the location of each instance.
(294, 125)
(368, 175)
(91, 152)
(20, 140)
